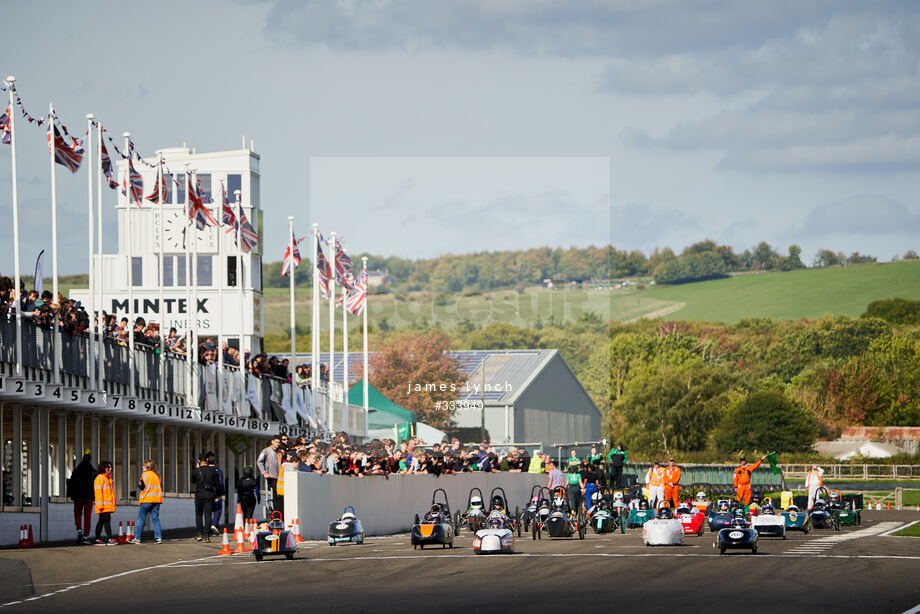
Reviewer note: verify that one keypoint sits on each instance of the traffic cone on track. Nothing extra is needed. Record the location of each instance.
(130, 534)
(251, 537)
(297, 538)
(225, 547)
(121, 533)
(238, 521)
(22, 536)
(30, 541)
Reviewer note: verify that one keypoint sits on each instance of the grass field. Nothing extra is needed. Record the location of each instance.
(524, 309)
(911, 531)
(780, 296)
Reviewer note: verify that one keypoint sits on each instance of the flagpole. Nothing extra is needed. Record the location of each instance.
(54, 260)
(16, 273)
(188, 296)
(164, 330)
(221, 280)
(239, 286)
(345, 342)
(130, 246)
(90, 371)
(193, 305)
(291, 272)
(331, 329)
(314, 322)
(100, 282)
(364, 335)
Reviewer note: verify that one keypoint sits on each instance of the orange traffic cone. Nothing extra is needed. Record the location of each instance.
(297, 538)
(121, 533)
(238, 521)
(22, 536)
(238, 536)
(30, 542)
(225, 548)
(130, 534)
(889, 506)
(250, 536)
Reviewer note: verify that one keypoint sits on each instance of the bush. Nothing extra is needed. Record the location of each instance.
(894, 311)
(766, 420)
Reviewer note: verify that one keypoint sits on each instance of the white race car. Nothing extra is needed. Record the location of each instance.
(496, 538)
(768, 523)
(665, 530)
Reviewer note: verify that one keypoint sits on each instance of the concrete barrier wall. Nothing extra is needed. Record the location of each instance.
(175, 513)
(387, 506)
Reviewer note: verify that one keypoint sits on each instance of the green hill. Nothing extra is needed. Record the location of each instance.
(780, 296)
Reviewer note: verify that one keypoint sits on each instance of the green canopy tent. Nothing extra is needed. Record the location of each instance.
(382, 412)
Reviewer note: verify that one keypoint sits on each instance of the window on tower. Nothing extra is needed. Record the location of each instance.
(205, 277)
(137, 271)
(231, 271)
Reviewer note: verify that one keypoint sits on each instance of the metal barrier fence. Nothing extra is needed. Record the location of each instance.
(855, 472)
(217, 390)
(720, 475)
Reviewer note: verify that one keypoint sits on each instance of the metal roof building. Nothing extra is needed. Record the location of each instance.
(529, 395)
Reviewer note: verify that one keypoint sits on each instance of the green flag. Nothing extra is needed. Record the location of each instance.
(403, 431)
(771, 457)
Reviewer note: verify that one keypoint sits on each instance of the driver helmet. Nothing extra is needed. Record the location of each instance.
(475, 501)
(723, 505)
(544, 502)
(738, 512)
(596, 497)
(792, 508)
(618, 496)
(738, 521)
(435, 510)
(348, 516)
(768, 509)
(701, 496)
(496, 523)
(558, 502)
(643, 504)
(498, 503)
(664, 510)
(834, 496)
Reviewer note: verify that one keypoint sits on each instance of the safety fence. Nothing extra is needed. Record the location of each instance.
(220, 390)
(855, 472)
(716, 477)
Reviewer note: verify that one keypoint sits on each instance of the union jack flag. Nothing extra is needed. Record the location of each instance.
(161, 195)
(107, 168)
(136, 183)
(229, 217)
(68, 155)
(343, 266)
(6, 131)
(249, 238)
(290, 263)
(325, 271)
(196, 209)
(357, 300)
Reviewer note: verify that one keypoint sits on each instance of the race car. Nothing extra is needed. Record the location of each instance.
(702, 503)
(768, 523)
(721, 515)
(738, 535)
(538, 522)
(851, 514)
(346, 529)
(436, 527)
(533, 504)
(639, 515)
(796, 520)
(562, 521)
(823, 514)
(691, 519)
(606, 514)
(496, 537)
(475, 515)
(275, 540)
(664, 529)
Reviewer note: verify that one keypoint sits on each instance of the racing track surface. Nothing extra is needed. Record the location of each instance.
(846, 571)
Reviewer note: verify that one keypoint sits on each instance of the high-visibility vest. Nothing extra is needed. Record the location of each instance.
(104, 493)
(153, 491)
(656, 477)
(279, 486)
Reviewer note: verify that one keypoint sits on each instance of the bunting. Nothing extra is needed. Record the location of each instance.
(160, 195)
(6, 131)
(107, 169)
(343, 265)
(133, 185)
(325, 271)
(357, 300)
(229, 217)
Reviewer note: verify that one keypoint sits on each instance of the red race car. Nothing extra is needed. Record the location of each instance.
(691, 519)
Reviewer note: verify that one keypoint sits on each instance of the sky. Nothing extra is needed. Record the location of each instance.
(417, 128)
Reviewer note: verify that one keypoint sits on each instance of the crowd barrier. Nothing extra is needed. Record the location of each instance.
(387, 506)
